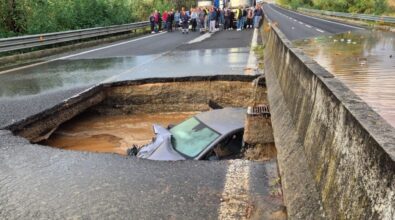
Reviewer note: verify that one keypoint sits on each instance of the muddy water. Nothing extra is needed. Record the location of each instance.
(364, 61)
(112, 134)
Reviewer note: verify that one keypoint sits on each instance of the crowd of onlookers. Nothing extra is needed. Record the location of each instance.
(206, 19)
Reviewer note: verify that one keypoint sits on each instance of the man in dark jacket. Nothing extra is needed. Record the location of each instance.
(152, 22)
(170, 19)
(258, 13)
(227, 19)
(159, 22)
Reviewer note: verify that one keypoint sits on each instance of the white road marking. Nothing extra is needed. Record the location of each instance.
(106, 47)
(333, 22)
(308, 26)
(77, 54)
(251, 63)
(235, 201)
(319, 30)
(300, 22)
(200, 38)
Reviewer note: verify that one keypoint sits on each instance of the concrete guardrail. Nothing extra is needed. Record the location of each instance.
(38, 40)
(366, 17)
(336, 155)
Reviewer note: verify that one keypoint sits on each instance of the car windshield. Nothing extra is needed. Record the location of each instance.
(191, 137)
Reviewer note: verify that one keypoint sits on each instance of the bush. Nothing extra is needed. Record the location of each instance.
(19, 17)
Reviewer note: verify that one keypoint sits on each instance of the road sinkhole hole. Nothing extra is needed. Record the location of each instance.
(194, 118)
(203, 118)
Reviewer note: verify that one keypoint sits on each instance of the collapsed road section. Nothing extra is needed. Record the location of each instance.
(92, 184)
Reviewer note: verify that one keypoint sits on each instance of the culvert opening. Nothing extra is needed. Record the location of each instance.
(117, 116)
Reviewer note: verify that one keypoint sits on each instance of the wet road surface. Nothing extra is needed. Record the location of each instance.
(111, 133)
(299, 26)
(41, 182)
(38, 182)
(27, 91)
(364, 61)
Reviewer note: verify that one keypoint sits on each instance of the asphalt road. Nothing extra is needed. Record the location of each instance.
(298, 26)
(40, 182)
(29, 90)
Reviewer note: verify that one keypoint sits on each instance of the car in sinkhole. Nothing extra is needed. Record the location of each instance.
(210, 135)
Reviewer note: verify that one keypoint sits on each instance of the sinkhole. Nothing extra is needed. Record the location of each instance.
(113, 117)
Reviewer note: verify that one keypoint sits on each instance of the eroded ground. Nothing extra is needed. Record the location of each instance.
(110, 133)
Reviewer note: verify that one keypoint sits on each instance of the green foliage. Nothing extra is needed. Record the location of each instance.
(350, 6)
(19, 17)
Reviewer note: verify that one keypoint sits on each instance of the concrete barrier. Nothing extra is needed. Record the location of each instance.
(336, 155)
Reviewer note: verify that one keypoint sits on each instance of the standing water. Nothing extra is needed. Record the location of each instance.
(110, 133)
(364, 61)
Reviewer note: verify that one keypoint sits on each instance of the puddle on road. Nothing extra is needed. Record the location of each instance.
(72, 73)
(192, 63)
(364, 61)
(63, 74)
(110, 133)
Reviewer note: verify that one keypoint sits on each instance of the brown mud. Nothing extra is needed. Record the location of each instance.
(110, 133)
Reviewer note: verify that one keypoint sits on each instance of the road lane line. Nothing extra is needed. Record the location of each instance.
(319, 30)
(308, 26)
(73, 55)
(201, 38)
(235, 200)
(106, 47)
(251, 63)
(333, 22)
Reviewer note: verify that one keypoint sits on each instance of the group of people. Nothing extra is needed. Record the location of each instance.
(207, 19)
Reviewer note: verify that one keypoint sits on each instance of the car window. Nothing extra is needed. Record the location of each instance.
(191, 137)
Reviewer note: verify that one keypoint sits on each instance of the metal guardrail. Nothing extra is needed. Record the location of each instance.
(32, 41)
(366, 17)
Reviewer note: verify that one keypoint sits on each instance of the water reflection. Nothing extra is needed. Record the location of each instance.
(191, 63)
(364, 61)
(74, 73)
(62, 74)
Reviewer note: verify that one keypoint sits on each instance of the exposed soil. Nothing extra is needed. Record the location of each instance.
(261, 152)
(110, 133)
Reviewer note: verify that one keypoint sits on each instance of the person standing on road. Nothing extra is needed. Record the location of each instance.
(250, 17)
(177, 19)
(170, 19)
(202, 18)
(164, 19)
(185, 21)
(159, 22)
(258, 13)
(232, 20)
(222, 19)
(213, 18)
(206, 19)
(239, 14)
(227, 19)
(194, 17)
(156, 21)
(152, 22)
(243, 18)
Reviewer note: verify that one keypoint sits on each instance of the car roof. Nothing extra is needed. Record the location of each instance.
(224, 120)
